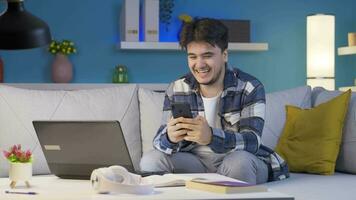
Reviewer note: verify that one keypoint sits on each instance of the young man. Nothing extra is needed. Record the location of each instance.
(228, 107)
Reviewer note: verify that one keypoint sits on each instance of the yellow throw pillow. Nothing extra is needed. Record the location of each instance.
(311, 138)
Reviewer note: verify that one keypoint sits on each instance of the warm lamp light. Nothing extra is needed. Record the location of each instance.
(321, 51)
(20, 29)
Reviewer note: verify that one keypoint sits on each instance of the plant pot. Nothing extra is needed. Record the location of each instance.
(62, 69)
(20, 172)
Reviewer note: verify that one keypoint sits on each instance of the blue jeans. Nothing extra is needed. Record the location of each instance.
(240, 165)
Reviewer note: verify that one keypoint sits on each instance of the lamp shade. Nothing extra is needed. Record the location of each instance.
(321, 51)
(20, 29)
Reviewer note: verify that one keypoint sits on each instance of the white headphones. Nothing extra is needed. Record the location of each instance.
(117, 179)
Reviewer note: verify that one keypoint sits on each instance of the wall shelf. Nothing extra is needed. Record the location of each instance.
(346, 50)
(174, 46)
(344, 89)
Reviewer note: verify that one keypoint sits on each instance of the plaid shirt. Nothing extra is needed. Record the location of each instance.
(241, 111)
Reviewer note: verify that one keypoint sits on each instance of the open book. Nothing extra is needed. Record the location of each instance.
(174, 180)
(167, 180)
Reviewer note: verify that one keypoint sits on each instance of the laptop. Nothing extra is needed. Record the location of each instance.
(73, 149)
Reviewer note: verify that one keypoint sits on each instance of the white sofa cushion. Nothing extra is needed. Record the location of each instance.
(151, 105)
(346, 161)
(276, 112)
(312, 186)
(19, 107)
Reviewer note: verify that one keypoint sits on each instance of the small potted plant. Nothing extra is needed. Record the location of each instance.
(185, 18)
(65, 47)
(20, 165)
(165, 12)
(62, 68)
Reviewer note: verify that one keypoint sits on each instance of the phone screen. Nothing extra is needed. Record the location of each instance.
(181, 109)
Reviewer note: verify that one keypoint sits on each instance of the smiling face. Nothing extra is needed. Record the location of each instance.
(207, 63)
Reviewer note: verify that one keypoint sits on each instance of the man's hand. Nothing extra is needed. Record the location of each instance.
(175, 131)
(197, 130)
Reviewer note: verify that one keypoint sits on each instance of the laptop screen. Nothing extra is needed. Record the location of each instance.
(73, 149)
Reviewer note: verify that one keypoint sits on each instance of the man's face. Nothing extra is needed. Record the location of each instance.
(206, 62)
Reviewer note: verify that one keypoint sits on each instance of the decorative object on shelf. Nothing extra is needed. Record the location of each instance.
(351, 39)
(120, 74)
(20, 165)
(348, 50)
(321, 51)
(130, 17)
(62, 68)
(238, 30)
(165, 12)
(151, 20)
(185, 18)
(1, 70)
(20, 29)
(351, 48)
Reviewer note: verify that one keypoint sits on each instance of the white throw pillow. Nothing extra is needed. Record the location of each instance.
(19, 107)
(151, 105)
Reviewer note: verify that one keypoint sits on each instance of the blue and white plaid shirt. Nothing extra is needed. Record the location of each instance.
(241, 111)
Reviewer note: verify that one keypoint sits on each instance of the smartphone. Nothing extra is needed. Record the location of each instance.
(181, 109)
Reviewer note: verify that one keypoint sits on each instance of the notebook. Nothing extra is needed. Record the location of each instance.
(223, 186)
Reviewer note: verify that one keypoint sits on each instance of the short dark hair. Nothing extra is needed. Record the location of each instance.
(207, 30)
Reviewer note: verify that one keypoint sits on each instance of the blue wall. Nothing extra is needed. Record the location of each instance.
(94, 26)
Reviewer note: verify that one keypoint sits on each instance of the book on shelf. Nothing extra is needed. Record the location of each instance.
(151, 20)
(224, 187)
(130, 16)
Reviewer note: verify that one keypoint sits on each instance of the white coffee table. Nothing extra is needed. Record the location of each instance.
(52, 188)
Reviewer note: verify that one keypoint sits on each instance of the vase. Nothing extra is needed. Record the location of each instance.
(20, 172)
(120, 74)
(62, 69)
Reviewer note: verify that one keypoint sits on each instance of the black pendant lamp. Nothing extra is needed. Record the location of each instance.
(20, 29)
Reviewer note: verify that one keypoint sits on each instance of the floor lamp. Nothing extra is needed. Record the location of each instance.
(321, 51)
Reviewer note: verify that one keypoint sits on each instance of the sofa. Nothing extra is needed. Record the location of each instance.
(138, 108)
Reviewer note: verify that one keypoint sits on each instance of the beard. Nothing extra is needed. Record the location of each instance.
(213, 80)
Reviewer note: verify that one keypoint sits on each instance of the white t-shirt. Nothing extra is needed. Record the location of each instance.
(211, 110)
